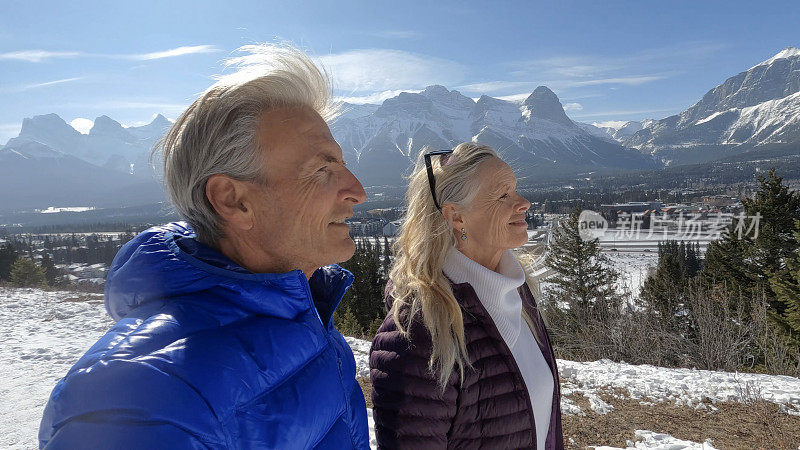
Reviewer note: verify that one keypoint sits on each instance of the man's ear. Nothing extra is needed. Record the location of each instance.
(230, 200)
(453, 216)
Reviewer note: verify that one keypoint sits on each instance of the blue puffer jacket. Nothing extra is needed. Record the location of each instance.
(208, 355)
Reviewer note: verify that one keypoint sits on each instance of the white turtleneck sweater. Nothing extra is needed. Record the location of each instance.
(498, 293)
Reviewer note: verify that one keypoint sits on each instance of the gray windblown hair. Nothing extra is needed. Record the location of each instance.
(217, 133)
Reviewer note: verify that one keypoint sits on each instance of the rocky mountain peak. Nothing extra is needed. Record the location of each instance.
(105, 125)
(160, 120)
(544, 104)
(788, 52)
(454, 99)
(48, 124)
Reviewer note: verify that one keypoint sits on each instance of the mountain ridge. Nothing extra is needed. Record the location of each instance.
(757, 107)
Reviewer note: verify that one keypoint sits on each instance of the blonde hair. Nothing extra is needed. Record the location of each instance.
(418, 284)
(217, 132)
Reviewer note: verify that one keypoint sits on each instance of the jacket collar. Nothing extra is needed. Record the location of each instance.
(154, 267)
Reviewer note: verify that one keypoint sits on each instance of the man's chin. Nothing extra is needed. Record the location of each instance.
(344, 252)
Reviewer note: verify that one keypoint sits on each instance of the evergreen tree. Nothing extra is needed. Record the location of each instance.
(692, 260)
(7, 257)
(786, 286)
(779, 208)
(372, 330)
(365, 297)
(50, 271)
(747, 264)
(347, 324)
(726, 263)
(25, 273)
(583, 277)
(663, 292)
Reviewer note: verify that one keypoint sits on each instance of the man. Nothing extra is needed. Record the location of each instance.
(225, 334)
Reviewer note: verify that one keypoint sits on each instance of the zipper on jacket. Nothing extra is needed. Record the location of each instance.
(517, 372)
(334, 347)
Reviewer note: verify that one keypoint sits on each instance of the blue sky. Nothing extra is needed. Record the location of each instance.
(606, 60)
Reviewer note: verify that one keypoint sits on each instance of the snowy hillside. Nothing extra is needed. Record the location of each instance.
(44, 333)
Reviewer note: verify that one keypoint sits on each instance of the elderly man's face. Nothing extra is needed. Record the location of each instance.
(308, 192)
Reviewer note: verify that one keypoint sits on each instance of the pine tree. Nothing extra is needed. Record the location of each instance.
(786, 286)
(583, 277)
(692, 260)
(365, 297)
(747, 264)
(7, 257)
(726, 263)
(663, 292)
(347, 324)
(372, 330)
(779, 208)
(25, 273)
(50, 271)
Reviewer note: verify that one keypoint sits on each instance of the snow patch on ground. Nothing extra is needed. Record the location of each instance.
(651, 440)
(43, 334)
(360, 350)
(598, 405)
(633, 269)
(686, 387)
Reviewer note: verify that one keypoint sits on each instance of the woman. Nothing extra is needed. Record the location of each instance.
(463, 359)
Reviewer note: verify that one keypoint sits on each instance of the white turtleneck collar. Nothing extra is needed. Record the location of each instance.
(497, 291)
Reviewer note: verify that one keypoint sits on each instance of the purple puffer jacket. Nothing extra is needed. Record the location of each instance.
(491, 409)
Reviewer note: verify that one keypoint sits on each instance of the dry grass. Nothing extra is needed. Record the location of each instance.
(752, 425)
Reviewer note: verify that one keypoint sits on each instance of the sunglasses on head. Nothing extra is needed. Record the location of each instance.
(444, 154)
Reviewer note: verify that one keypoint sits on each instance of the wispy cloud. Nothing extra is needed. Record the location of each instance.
(631, 81)
(133, 104)
(38, 55)
(376, 70)
(375, 98)
(82, 125)
(573, 107)
(49, 83)
(9, 130)
(514, 97)
(557, 84)
(570, 72)
(494, 86)
(171, 53)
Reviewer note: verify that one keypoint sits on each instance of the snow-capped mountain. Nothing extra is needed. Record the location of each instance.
(108, 143)
(755, 108)
(535, 136)
(618, 130)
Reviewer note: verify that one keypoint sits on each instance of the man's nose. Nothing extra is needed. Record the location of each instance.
(353, 189)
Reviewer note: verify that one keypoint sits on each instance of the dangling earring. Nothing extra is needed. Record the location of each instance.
(463, 235)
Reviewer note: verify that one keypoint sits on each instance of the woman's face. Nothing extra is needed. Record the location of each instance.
(495, 221)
